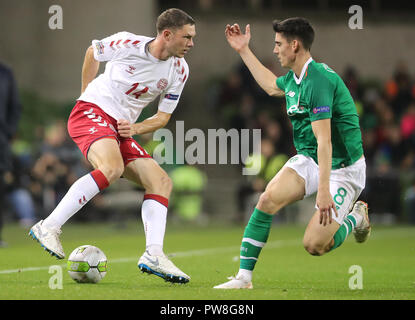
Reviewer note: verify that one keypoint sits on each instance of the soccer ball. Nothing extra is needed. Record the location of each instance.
(87, 264)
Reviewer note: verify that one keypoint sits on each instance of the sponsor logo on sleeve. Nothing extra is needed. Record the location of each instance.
(321, 109)
(171, 96)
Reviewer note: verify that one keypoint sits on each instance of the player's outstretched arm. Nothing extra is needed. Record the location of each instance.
(159, 120)
(89, 69)
(262, 75)
(324, 200)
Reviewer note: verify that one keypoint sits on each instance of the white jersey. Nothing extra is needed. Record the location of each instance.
(133, 77)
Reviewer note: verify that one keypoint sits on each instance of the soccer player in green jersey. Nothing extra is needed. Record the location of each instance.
(328, 141)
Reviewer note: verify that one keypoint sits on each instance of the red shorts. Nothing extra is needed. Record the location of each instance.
(88, 123)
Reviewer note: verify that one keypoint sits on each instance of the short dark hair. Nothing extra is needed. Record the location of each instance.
(173, 19)
(295, 28)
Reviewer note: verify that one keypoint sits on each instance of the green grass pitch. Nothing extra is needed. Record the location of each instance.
(209, 255)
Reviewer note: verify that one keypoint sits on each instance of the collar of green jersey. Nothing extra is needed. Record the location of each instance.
(298, 80)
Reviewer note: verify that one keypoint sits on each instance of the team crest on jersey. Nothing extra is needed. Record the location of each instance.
(162, 84)
(295, 109)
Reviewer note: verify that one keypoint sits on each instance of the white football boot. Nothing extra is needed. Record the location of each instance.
(237, 282)
(48, 239)
(161, 266)
(362, 231)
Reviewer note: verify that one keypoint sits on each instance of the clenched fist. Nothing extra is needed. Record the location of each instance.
(125, 128)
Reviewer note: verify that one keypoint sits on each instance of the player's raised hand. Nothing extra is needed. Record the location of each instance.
(236, 39)
(124, 128)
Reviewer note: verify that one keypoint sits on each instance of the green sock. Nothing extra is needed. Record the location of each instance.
(254, 239)
(348, 225)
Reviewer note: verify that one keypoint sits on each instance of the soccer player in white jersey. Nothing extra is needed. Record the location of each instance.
(138, 70)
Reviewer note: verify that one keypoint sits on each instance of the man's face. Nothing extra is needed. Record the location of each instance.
(181, 40)
(284, 50)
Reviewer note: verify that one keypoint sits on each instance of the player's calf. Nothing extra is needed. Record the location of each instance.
(165, 184)
(160, 183)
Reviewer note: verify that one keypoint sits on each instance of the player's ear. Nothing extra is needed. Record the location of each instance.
(295, 45)
(167, 34)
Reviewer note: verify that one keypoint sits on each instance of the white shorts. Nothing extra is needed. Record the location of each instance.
(346, 184)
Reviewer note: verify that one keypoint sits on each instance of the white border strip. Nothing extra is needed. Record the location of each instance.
(254, 242)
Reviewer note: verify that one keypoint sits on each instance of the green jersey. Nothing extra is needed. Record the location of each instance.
(319, 93)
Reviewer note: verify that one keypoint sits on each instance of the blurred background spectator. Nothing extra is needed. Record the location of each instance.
(10, 109)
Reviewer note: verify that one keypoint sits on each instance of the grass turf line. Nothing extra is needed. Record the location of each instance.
(209, 255)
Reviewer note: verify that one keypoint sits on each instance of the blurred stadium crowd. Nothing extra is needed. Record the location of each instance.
(387, 116)
(43, 172)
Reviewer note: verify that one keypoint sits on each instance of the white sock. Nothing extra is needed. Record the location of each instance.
(83, 190)
(155, 249)
(246, 274)
(154, 216)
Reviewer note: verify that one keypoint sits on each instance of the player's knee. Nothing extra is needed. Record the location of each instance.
(267, 203)
(313, 248)
(112, 172)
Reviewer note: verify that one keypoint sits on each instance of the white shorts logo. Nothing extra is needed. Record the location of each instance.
(92, 130)
(91, 115)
